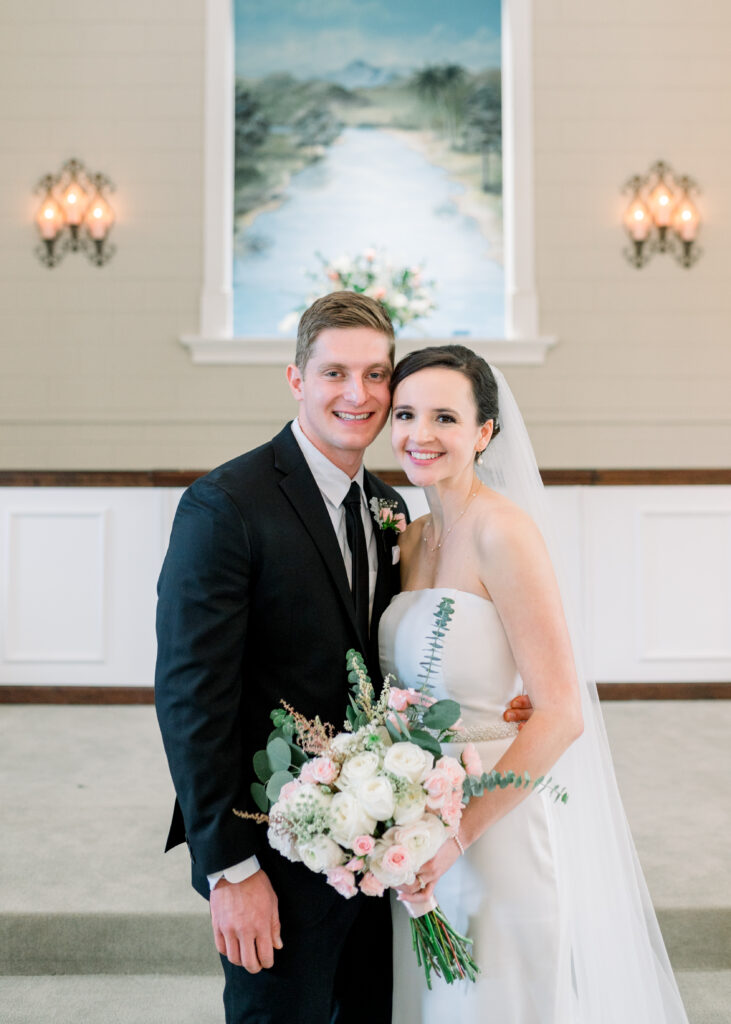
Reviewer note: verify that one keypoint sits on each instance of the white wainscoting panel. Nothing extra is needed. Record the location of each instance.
(658, 566)
(56, 585)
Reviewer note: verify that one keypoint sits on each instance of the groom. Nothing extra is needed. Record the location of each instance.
(275, 569)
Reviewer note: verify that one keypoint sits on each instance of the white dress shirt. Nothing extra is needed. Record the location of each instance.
(334, 485)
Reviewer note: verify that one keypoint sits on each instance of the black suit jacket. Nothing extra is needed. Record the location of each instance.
(254, 607)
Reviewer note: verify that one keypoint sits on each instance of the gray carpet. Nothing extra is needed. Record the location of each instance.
(97, 925)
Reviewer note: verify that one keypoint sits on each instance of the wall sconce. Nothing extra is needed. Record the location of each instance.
(661, 216)
(74, 215)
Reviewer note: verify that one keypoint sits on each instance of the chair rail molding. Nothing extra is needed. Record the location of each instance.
(215, 344)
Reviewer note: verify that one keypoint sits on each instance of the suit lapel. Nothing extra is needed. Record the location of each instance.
(304, 495)
(385, 542)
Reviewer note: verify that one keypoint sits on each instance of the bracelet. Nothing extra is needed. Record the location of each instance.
(458, 841)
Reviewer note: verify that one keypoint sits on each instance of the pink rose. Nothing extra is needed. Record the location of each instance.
(370, 885)
(398, 699)
(452, 769)
(438, 788)
(343, 881)
(378, 293)
(289, 789)
(321, 770)
(451, 810)
(471, 760)
(356, 864)
(363, 845)
(396, 858)
(333, 275)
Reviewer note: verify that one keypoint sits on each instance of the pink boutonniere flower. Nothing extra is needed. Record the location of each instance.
(385, 515)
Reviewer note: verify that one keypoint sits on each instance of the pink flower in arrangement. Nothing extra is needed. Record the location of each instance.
(438, 788)
(388, 518)
(398, 699)
(369, 254)
(343, 881)
(370, 885)
(396, 858)
(320, 769)
(363, 845)
(379, 293)
(356, 864)
(451, 810)
(471, 760)
(289, 789)
(453, 770)
(333, 275)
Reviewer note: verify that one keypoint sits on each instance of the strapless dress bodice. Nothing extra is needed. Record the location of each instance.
(476, 666)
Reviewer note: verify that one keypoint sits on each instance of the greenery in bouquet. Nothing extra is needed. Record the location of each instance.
(403, 291)
(370, 805)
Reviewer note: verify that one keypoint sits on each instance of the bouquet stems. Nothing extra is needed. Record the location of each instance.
(439, 948)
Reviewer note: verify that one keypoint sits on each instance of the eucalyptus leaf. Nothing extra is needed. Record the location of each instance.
(426, 741)
(393, 732)
(260, 796)
(279, 753)
(275, 784)
(262, 767)
(299, 757)
(441, 715)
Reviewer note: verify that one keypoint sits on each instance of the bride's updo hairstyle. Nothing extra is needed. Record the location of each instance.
(464, 361)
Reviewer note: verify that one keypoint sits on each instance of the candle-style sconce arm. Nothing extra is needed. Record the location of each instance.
(661, 216)
(74, 215)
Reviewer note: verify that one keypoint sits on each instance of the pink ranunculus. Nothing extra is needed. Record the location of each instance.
(363, 845)
(471, 760)
(438, 788)
(454, 771)
(451, 810)
(370, 885)
(356, 864)
(343, 881)
(289, 789)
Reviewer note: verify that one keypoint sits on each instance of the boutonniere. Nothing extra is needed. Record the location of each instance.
(385, 516)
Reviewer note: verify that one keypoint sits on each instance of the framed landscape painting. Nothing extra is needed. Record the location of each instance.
(368, 149)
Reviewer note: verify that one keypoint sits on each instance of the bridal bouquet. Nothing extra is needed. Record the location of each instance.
(402, 290)
(369, 806)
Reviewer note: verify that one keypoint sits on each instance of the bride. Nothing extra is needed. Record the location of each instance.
(552, 895)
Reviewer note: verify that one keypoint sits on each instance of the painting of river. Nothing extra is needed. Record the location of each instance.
(364, 127)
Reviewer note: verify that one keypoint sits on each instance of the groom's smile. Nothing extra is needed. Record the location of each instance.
(343, 392)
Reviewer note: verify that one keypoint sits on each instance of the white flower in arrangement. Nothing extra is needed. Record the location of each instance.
(408, 761)
(358, 768)
(392, 864)
(283, 842)
(321, 853)
(377, 797)
(421, 838)
(349, 819)
(410, 805)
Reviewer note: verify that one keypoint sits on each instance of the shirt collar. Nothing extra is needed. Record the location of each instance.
(334, 484)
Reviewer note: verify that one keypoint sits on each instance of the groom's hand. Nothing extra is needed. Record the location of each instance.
(245, 921)
(519, 710)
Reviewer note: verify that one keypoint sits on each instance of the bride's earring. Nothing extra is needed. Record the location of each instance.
(480, 460)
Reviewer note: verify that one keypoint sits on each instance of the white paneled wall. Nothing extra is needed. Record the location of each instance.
(648, 570)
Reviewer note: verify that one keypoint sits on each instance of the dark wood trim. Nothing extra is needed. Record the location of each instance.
(664, 691)
(145, 695)
(395, 477)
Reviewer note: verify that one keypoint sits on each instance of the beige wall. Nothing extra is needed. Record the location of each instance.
(92, 374)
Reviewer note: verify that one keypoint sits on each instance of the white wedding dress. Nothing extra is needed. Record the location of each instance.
(504, 893)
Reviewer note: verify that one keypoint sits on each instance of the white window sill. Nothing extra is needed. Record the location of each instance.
(210, 351)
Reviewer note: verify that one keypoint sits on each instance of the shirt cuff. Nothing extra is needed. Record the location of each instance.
(237, 873)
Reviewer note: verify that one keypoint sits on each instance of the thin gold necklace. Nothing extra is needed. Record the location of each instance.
(431, 521)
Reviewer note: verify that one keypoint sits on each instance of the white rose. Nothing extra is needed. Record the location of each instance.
(410, 805)
(348, 819)
(343, 743)
(421, 838)
(321, 853)
(283, 843)
(408, 761)
(377, 797)
(357, 769)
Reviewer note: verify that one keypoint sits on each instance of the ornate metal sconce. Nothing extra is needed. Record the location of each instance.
(661, 216)
(74, 215)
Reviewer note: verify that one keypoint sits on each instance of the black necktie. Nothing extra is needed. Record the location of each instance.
(359, 554)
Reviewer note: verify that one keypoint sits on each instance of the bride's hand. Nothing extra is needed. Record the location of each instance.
(519, 710)
(429, 874)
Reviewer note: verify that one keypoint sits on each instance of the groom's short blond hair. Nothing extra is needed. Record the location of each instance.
(340, 309)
